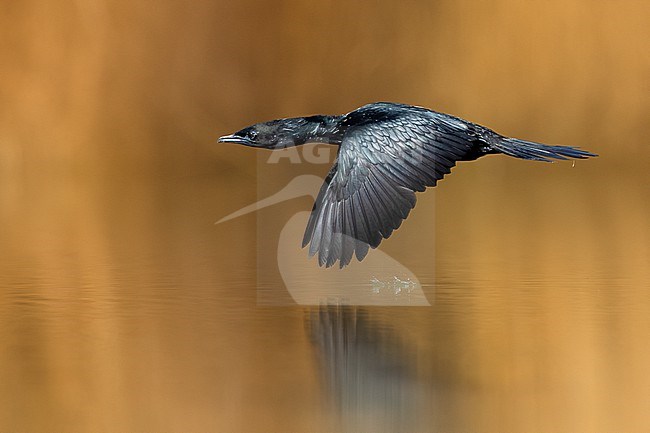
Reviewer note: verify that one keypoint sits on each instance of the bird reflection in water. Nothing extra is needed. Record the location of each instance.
(368, 370)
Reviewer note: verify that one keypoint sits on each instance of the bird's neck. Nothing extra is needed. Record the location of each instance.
(321, 129)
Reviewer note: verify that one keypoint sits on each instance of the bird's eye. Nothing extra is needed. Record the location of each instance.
(253, 134)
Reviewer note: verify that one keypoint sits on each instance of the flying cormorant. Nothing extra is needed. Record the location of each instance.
(387, 152)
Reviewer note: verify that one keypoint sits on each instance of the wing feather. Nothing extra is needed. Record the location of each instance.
(371, 188)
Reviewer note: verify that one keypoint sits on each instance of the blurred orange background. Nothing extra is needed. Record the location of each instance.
(147, 86)
(123, 308)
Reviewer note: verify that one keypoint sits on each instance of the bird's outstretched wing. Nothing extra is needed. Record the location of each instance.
(371, 187)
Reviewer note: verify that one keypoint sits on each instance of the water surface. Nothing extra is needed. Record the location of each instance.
(124, 308)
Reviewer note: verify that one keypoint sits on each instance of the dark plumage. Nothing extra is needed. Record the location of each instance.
(387, 152)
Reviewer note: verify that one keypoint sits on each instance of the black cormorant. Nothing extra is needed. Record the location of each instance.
(386, 153)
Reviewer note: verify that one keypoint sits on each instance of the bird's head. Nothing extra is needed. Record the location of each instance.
(278, 134)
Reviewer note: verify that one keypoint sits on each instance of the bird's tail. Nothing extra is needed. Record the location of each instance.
(537, 151)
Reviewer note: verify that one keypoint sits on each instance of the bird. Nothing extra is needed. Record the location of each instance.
(387, 152)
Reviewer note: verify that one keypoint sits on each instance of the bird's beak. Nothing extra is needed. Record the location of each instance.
(306, 184)
(236, 139)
